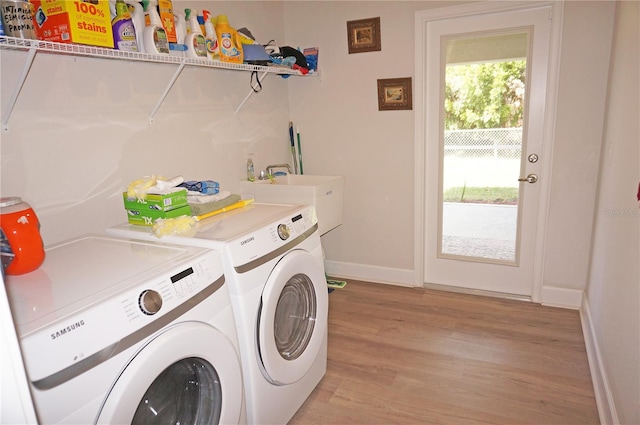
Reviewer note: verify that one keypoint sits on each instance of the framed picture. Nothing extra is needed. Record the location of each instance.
(364, 35)
(394, 94)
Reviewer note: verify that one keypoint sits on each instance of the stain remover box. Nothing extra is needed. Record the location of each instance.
(82, 22)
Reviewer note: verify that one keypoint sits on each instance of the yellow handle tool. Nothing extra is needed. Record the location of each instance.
(235, 206)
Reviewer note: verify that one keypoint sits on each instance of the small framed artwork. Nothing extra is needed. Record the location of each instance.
(394, 94)
(364, 35)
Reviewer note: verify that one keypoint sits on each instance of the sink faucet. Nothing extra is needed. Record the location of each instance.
(271, 167)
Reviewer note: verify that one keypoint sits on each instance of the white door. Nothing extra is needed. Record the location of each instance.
(293, 318)
(484, 167)
(189, 373)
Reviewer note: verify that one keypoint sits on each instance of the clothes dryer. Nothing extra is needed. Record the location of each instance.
(273, 262)
(120, 331)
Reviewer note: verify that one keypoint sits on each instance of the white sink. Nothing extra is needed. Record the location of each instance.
(325, 193)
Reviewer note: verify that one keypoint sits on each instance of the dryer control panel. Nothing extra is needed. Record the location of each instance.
(273, 237)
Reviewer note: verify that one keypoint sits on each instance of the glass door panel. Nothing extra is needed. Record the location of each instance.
(482, 144)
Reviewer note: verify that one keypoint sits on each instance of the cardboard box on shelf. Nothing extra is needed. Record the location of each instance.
(74, 22)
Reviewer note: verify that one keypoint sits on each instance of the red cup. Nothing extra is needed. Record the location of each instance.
(20, 236)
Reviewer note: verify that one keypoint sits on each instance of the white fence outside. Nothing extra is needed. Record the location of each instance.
(482, 158)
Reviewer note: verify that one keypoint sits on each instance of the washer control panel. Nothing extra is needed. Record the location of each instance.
(272, 236)
(89, 330)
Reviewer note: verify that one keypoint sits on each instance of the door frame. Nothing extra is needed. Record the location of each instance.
(422, 18)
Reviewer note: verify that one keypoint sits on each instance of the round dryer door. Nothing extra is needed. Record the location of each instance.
(188, 374)
(293, 317)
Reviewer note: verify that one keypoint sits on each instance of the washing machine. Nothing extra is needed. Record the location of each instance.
(274, 266)
(118, 331)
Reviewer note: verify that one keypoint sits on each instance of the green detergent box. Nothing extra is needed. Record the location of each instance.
(165, 202)
(146, 217)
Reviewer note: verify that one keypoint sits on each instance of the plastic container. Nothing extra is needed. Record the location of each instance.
(20, 241)
(228, 41)
(195, 41)
(155, 37)
(179, 48)
(17, 17)
(210, 36)
(251, 173)
(124, 32)
(137, 16)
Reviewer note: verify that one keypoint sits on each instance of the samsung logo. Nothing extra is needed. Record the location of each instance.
(67, 330)
(246, 241)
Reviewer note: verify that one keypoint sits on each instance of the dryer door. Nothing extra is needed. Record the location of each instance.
(293, 317)
(188, 374)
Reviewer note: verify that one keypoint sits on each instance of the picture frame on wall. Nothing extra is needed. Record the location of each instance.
(364, 35)
(394, 94)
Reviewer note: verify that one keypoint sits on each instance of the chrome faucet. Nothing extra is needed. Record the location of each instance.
(271, 167)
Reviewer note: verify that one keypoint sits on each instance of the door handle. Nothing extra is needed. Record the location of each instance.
(531, 178)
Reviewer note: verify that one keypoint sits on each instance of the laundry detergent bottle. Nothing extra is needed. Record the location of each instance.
(155, 37)
(195, 41)
(124, 32)
(137, 16)
(228, 41)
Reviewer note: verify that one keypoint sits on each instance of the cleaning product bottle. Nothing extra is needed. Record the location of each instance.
(251, 174)
(137, 15)
(195, 41)
(210, 35)
(155, 37)
(187, 16)
(228, 41)
(179, 48)
(201, 23)
(124, 33)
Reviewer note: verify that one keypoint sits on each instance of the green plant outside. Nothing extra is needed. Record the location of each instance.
(482, 195)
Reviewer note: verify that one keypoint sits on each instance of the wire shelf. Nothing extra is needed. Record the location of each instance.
(12, 43)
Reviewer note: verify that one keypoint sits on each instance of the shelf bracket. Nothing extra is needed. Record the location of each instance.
(260, 78)
(166, 91)
(14, 98)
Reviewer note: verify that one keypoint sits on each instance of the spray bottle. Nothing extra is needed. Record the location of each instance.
(251, 174)
(195, 41)
(179, 48)
(137, 15)
(124, 33)
(155, 37)
(210, 35)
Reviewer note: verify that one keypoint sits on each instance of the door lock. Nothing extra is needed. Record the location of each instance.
(531, 178)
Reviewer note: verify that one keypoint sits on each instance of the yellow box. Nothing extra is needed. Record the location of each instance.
(82, 22)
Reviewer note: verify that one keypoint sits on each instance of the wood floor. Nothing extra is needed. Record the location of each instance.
(416, 356)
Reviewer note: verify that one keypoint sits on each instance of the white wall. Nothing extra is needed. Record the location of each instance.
(612, 302)
(80, 131)
(345, 134)
(578, 137)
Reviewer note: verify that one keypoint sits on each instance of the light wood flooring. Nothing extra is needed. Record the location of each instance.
(416, 356)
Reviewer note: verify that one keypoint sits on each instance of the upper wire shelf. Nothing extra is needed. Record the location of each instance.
(101, 52)
(35, 46)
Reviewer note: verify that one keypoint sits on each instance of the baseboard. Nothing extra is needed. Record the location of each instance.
(561, 297)
(387, 275)
(604, 398)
